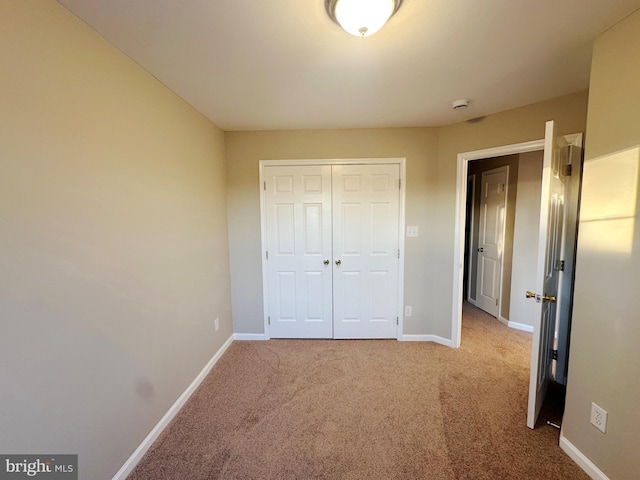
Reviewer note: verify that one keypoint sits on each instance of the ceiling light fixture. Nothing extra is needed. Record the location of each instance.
(361, 17)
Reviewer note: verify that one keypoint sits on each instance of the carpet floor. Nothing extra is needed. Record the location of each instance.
(364, 409)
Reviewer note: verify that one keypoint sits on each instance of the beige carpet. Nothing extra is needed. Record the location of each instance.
(364, 409)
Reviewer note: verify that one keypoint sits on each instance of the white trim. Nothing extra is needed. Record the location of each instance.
(581, 459)
(503, 320)
(263, 247)
(427, 338)
(137, 455)
(330, 161)
(249, 336)
(472, 302)
(401, 161)
(520, 326)
(461, 196)
(401, 237)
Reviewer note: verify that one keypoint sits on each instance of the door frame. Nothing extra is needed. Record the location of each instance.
(460, 216)
(460, 219)
(400, 161)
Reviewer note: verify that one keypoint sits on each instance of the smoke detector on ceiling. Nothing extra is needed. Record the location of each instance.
(460, 104)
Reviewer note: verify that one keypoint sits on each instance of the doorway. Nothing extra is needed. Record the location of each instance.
(332, 248)
(516, 264)
(562, 154)
(490, 232)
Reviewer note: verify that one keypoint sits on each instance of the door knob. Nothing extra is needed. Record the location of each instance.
(326, 262)
(338, 262)
(533, 295)
(544, 298)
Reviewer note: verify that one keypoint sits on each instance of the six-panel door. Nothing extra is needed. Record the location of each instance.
(493, 205)
(332, 241)
(365, 242)
(298, 220)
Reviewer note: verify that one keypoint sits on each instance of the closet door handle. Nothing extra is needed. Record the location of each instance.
(326, 261)
(338, 262)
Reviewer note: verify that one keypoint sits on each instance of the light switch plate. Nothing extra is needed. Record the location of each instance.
(412, 231)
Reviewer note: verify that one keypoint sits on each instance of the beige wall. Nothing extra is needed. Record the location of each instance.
(246, 149)
(431, 173)
(113, 242)
(604, 362)
(505, 128)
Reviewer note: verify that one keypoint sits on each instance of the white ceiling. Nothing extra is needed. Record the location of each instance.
(249, 66)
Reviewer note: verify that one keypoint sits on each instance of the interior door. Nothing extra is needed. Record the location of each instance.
(365, 249)
(298, 221)
(493, 205)
(545, 297)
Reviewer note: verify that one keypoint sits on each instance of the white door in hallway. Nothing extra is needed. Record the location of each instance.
(298, 231)
(545, 298)
(493, 205)
(332, 238)
(365, 248)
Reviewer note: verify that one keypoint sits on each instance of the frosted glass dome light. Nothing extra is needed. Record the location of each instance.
(361, 17)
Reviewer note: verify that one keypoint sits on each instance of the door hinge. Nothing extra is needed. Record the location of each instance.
(398, 253)
(264, 186)
(268, 320)
(555, 354)
(559, 266)
(400, 184)
(496, 302)
(397, 320)
(266, 254)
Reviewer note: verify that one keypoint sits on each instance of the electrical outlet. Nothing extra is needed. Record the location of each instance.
(216, 324)
(408, 311)
(598, 417)
(412, 231)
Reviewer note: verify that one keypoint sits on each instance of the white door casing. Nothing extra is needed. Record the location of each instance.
(493, 205)
(366, 250)
(546, 294)
(298, 218)
(277, 300)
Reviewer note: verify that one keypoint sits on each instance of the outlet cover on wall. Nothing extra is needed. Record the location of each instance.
(598, 417)
(412, 231)
(408, 311)
(216, 324)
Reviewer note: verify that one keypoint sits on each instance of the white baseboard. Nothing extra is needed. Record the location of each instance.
(249, 336)
(427, 338)
(521, 326)
(136, 456)
(581, 459)
(472, 301)
(503, 320)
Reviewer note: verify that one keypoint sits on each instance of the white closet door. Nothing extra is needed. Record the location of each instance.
(365, 250)
(298, 220)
